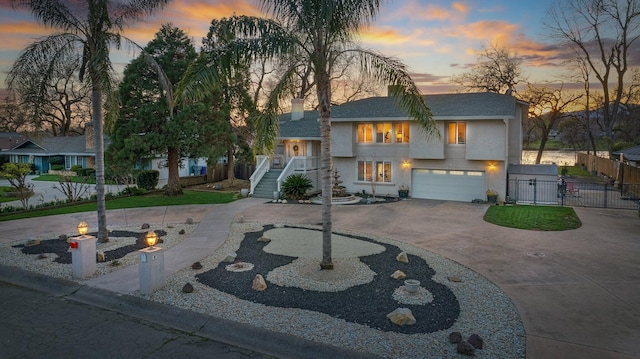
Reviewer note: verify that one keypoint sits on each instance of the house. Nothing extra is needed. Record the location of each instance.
(631, 155)
(375, 145)
(75, 150)
(9, 140)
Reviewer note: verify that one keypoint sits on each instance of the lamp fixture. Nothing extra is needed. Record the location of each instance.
(406, 164)
(151, 238)
(83, 228)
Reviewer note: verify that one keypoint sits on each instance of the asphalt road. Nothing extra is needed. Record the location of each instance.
(37, 325)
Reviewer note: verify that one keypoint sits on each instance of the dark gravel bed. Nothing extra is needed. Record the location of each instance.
(366, 304)
(61, 248)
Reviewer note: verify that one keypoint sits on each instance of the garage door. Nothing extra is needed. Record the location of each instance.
(451, 185)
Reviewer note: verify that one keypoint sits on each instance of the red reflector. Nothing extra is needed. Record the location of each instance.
(73, 244)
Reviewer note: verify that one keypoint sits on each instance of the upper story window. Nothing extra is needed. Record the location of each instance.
(457, 133)
(383, 132)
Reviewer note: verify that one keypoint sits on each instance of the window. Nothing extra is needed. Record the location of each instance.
(402, 132)
(457, 133)
(382, 171)
(386, 132)
(71, 161)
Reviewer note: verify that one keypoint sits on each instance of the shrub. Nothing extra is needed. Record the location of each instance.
(56, 160)
(57, 167)
(78, 170)
(296, 186)
(131, 191)
(148, 179)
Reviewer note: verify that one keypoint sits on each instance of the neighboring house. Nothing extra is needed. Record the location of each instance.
(374, 143)
(631, 155)
(76, 150)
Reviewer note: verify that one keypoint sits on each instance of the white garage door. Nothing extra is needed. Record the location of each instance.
(451, 185)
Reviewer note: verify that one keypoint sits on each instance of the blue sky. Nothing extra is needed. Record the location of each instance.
(436, 39)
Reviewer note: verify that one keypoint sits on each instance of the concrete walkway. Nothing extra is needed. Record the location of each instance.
(578, 291)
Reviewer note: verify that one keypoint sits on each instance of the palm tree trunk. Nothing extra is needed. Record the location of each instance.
(324, 101)
(173, 182)
(98, 143)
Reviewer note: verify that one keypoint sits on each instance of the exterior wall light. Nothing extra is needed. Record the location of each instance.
(492, 166)
(406, 164)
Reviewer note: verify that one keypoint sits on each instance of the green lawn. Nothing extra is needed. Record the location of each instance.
(538, 218)
(56, 178)
(150, 200)
(6, 199)
(574, 171)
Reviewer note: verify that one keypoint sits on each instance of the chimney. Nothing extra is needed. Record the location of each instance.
(297, 109)
(88, 136)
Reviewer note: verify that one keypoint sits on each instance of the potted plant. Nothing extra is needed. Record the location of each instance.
(403, 191)
(492, 196)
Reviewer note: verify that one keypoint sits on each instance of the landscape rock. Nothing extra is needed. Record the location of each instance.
(454, 279)
(188, 288)
(455, 337)
(465, 348)
(264, 239)
(63, 237)
(402, 316)
(196, 265)
(182, 231)
(189, 220)
(101, 257)
(402, 257)
(476, 341)
(258, 283)
(32, 242)
(398, 275)
(145, 226)
(230, 258)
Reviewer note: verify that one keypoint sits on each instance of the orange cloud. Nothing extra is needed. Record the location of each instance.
(414, 10)
(383, 35)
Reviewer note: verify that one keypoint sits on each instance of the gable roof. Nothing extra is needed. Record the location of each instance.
(9, 140)
(480, 105)
(632, 154)
(55, 145)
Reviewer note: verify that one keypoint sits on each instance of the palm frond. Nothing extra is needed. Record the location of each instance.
(393, 72)
(53, 13)
(134, 10)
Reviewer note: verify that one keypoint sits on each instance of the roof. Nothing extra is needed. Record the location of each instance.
(8, 140)
(484, 105)
(632, 154)
(54, 145)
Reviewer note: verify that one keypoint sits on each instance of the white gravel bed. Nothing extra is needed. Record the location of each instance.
(484, 310)
(13, 257)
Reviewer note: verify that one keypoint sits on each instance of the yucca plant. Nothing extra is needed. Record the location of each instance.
(296, 186)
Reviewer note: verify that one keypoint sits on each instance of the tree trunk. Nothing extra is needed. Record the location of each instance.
(231, 174)
(543, 142)
(173, 182)
(98, 143)
(324, 106)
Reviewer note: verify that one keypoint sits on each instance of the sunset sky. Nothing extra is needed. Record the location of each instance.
(436, 39)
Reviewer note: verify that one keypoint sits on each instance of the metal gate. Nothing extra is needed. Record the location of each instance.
(574, 193)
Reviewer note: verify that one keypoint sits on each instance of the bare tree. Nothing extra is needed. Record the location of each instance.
(58, 102)
(603, 32)
(496, 70)
(547, 106)
(13, 117)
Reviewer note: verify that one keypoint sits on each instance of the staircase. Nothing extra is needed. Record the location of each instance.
(267, 184)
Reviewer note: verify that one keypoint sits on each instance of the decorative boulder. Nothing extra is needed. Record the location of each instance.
(182, 231)
(455, 337)
(402, 316)
(454, 279)
(476, 341)
(101, 257)
(264, 239)
(258, 283)
(189, 220)
(188, 288)
(398, 275)
(196, 266)
(465, 348)
(145, 226)
(402, 257)
(63, 237)
(230, 258)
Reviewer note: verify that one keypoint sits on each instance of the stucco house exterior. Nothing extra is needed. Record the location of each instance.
(375, 142)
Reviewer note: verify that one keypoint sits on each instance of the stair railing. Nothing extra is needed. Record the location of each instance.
(261, 169)
(286, 172)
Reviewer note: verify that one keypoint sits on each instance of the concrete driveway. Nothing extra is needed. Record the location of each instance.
(577, 291)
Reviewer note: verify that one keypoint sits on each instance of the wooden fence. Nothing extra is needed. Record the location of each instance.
(610, 168)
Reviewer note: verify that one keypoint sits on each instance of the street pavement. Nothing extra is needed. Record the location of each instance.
(34, 324)
(577, 291)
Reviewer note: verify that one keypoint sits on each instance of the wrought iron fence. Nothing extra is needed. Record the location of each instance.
(574, 194)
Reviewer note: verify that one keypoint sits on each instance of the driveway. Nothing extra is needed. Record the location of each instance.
(578, 291)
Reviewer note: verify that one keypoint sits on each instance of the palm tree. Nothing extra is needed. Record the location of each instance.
(87, 29)
(313, 34)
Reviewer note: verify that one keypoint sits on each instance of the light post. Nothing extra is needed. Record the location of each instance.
(83, 253)
(151, 266)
